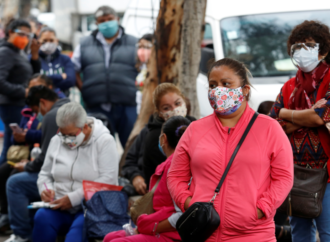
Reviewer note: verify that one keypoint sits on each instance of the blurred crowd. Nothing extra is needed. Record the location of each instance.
(52, 144)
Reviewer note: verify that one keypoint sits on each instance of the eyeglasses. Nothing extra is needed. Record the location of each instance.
(70, 137)
(141, 46)
(23, 34)
(306, 46)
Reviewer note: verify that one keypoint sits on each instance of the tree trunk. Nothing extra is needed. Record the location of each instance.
(191, 38)
(24, 8)
(10, 10)
(164, 63)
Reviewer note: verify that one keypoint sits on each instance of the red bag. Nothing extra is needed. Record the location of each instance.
(90, 188)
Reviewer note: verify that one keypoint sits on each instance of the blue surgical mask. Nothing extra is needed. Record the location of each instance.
(40, 117)
(161, 148)
(109, 28)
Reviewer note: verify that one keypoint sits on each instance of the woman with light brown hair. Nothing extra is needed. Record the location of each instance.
(144, 155)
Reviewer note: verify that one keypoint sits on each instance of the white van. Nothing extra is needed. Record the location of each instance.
(254, 32)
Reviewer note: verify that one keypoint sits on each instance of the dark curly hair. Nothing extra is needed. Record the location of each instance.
(311, 29)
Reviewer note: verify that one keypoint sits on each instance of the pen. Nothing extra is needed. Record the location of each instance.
(47, 188)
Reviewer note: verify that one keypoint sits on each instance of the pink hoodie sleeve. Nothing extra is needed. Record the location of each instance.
(179, 174)
(281, 171)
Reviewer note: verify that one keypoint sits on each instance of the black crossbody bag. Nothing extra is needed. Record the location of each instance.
(201, 219)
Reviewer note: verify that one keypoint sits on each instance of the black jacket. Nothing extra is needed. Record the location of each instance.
(15, 72)
(49, 129)
(152, 156)
(133, 166)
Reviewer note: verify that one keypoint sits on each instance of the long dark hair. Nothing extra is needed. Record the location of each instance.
(174, 129)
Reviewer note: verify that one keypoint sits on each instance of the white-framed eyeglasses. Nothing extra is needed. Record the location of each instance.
(307, 46)
(70, 137)
(23, 33)
(143, 46)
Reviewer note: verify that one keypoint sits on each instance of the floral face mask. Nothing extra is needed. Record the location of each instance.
(226, 101)
(178, 111)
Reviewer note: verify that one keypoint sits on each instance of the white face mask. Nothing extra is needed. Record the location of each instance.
(73, 142)
(308, 59)
(48, 48)
(178, 111)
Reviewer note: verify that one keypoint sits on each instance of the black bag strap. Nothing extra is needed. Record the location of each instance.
(234, 155)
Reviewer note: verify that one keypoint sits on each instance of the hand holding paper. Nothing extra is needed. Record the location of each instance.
(63, 203)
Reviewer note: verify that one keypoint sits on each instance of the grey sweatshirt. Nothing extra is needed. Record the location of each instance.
(65, 169)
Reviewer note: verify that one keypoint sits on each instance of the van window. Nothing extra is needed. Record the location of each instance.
(208, 32)
(207, 55)
(208, 37)
(259, 41)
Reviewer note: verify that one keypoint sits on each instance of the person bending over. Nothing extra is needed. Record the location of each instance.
(82, 150)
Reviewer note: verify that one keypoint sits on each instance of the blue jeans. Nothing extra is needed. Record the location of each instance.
(304, 230)
(121, 118)
(8, 114)
(21, 191)
(48, 224)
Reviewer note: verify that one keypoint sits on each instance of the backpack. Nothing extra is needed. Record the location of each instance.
(105, 212)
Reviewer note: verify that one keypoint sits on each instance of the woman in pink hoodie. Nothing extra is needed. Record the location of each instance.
(261, 175)
(161, 225)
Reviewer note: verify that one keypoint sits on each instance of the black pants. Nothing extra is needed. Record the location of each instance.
(280, 218)
(5, 172)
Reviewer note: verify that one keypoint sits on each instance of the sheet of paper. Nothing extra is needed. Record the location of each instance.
(40, 205)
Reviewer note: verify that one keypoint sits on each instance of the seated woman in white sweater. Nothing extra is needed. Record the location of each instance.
(82, 150)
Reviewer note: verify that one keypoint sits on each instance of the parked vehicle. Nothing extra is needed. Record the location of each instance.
(253, 32)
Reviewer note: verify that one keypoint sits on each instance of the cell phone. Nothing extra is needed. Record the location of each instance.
(14, 127)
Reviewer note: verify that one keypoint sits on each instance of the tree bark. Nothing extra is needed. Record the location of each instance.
(10, 9)
(24, 8)
(191, 39)
(164, 63)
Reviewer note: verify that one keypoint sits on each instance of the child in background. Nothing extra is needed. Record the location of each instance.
(31, 121)
(29, 134)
